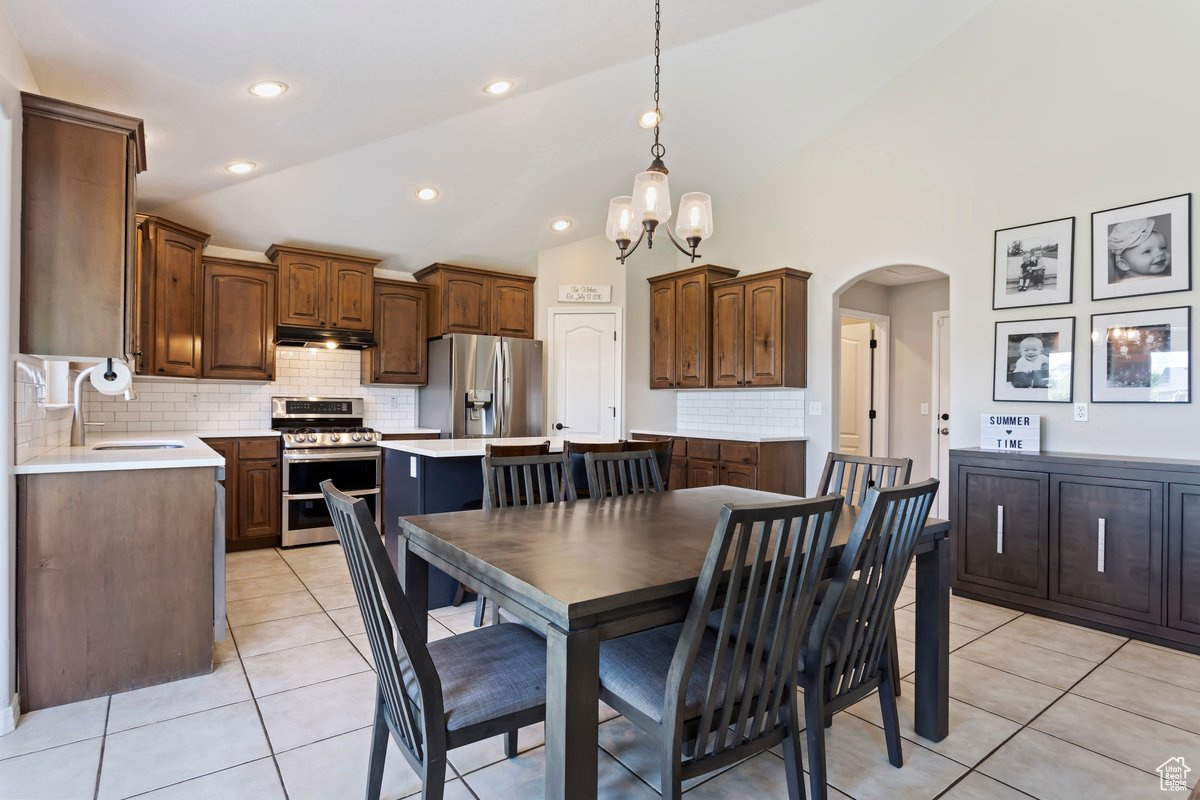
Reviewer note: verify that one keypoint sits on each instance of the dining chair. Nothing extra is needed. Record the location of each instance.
(621, 474)
(846, 650)
(713, 698)
(663, 450)
(575, 456)
(433, 697)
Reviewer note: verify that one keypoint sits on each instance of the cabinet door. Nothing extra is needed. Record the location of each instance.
(465, 303)
(1183, 559)
(691, 332)
(701, 472)
(350, 298)
(662, 335)
(239, 322)
(177, 290)
(764, 333)
(259, 498)
(1002, 526)
(512, 308)
(677, 479)
(728, 331)
(400, 320)
(1106, 545)
(303, 291)
(744, 476)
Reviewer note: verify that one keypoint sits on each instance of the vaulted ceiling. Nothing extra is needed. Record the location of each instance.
(386, 95)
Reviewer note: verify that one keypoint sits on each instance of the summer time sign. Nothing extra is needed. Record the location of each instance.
(1020, 433)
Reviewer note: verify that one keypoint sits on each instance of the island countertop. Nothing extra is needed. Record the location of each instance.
(465, 448)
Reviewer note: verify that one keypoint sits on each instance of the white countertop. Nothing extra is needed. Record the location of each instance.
(733, 437)
(465, 448)
(194, 453)
(409, 431)
(220, 434)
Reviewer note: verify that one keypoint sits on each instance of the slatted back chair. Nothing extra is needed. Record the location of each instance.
(575, 457)
(851, 476)
(621, 474)
(846, 655)
(410, 704)
(663, 449)
(716, 697)
(526, 480)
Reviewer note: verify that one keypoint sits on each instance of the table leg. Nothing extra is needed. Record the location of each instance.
(414, 577)
(932, 700)
(572, 698)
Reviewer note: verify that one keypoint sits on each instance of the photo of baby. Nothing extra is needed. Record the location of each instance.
(1030, 369)
(1142, 249)
(1034, 360)
(1033, 264)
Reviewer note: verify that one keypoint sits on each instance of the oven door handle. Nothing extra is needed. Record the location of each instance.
(335, 456)
(319, 496)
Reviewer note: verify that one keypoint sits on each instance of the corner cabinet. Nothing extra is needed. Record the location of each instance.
(759, 330)
(168, 288)
(401, 320)
(680, 314)
(1101, 541)
(323, 290)
(239, 320)
(478, 301)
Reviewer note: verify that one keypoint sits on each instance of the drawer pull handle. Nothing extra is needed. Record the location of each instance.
(1100, 545)
(1000, 529)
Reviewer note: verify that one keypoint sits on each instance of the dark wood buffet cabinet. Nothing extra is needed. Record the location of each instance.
(1104, 541)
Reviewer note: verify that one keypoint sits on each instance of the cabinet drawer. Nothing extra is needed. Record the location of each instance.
(1001, 540)
(739, 453)
(266, 447)
(1106, 545)
(709, 449)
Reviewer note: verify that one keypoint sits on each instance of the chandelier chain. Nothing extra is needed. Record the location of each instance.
(657, 150)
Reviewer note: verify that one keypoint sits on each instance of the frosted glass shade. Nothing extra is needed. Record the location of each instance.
(695, 220)
(620, 220)
(651, 197)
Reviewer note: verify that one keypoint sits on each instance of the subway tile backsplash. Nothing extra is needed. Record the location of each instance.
(188, 405)
(768, 413)
(37, 428)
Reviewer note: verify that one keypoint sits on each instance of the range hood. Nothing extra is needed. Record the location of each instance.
(297, 336)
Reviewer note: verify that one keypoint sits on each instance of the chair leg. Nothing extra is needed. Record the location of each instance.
(894, 657)
(379, 743)
(670, 779)
(814, 718)
(433, 787)
(480, 605)
(793, 760)
(510, 744)
(459, 594)
(891, 720)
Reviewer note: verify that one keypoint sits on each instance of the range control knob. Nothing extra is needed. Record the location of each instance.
(288, 437)
(312, 437)
(333, 437)
(356, 437)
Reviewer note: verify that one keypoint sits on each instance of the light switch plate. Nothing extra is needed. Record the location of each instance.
(814, 408)
(1081, 412)
(924, 409)
(412, 466)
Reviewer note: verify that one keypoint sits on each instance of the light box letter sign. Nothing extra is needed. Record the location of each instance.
(1017, 433)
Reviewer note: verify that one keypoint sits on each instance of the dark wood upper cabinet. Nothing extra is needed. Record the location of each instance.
(168, 318)
(760, 329)
(680, 315)
(319, 289)
(728, 332)
(79, 168)
(239, 320)
(480, 301)
(401, 320)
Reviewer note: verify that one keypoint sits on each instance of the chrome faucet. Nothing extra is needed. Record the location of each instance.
(78, 425)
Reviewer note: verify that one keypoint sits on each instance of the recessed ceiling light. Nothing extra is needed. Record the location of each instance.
(268, 88)
(428, 193)
(240, 167)
(499, 87)
(560, 224)
(650, 118)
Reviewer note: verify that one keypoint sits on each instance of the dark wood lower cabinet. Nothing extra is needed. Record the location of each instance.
(701, 472)
(253, 491)
(766, 466)
(744, 476)
(1103, 541)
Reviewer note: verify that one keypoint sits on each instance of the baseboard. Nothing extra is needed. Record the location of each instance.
(9, 715)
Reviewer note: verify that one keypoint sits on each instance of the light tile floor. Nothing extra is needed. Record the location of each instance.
(1039, 708)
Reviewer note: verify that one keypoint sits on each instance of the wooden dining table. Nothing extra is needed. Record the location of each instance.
(588, 571)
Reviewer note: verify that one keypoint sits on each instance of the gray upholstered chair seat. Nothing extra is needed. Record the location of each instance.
(487, 673)
(635, 667)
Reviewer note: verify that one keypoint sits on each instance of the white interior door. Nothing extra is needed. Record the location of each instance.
(854, 402)
(585, 374)
(941, 419)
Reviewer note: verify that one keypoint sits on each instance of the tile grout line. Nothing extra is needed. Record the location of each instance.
(103, 741)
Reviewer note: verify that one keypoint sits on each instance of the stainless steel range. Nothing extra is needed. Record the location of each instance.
(323, 439)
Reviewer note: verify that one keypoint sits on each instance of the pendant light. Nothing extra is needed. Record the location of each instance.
(650, 204)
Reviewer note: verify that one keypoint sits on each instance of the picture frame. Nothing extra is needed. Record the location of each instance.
(1033, 265)
(1144, 248)
(1035, 361)
(1142, 356)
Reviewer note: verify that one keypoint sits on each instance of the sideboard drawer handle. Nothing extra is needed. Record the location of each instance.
(1100, 545)
(1000, 529)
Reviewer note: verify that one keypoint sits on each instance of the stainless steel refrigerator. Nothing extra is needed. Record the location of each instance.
(483, 386)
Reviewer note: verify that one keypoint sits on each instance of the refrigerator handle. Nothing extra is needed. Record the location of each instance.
(506, 349)
(498, 396)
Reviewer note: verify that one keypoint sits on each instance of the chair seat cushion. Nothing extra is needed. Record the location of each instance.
(635, 668)
(838, 629)
(487, 673)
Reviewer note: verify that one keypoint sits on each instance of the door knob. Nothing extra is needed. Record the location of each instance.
(945, 417)
(558, 426)
(944, 431)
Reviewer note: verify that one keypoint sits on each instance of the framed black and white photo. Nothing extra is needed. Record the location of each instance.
(1142, 249)
(1033, 264)
(1034, 360)
(1142, 356)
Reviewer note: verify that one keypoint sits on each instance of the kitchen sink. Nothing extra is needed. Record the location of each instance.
(165, 444)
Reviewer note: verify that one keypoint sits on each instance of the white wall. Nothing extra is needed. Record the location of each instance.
(911, 308)
(990, 130)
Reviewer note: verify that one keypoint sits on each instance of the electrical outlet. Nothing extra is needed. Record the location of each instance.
(394, 402)
(924, 409)
(814, 408)
(1081, 412)
(194, 401)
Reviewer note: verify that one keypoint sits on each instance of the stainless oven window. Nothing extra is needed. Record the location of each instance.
(349, 475)
(311, 513)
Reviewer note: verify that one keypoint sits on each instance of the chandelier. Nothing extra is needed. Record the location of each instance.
(650, 204)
